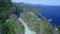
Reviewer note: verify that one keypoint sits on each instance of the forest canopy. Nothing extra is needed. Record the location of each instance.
(6, 10)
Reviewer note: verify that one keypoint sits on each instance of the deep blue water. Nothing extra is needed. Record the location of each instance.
(17, 13)
(51, 12)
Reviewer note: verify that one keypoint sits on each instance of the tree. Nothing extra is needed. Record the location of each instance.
(5, 10)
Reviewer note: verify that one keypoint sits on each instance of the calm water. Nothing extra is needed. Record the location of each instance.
(51, 12)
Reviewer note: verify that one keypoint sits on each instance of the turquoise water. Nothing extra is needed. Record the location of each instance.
(35, 15)
(7, 20)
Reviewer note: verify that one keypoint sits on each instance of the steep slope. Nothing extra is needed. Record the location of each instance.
(39, 26)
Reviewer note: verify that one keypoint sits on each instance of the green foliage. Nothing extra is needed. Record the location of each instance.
(5, 10)
(5, 6)
(12, 27)
(33, 23)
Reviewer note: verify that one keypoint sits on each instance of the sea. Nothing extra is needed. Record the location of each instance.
(51, 12)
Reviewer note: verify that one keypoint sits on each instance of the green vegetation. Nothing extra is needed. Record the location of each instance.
(11, 27)
(33, 23)
(5, 6)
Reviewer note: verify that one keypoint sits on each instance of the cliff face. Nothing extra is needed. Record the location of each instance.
(16, 28)
(39, 26)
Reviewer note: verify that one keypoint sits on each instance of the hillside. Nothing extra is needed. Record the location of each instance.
(13, 26)
(9, 27)
(33, 23)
